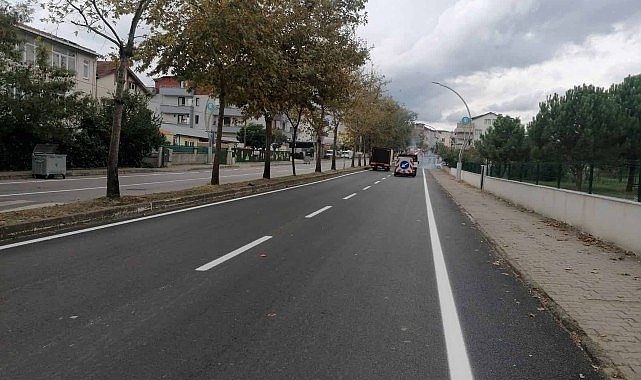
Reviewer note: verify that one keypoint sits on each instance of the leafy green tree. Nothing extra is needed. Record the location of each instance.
(252, 135)
(209, 45)
(628, 97)
(102, 18)
(574, 128)
(504, 141)
(37, 105)
(140, 133)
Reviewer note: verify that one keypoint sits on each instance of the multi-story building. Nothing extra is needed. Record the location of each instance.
(189, 116)
(471, 133)
(106, 80)
(65, 54)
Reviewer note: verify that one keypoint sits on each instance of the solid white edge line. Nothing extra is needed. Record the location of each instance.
(232, 254)
(366, 187)
(84, 230)
(457, 359)
(350, 196)
(313, 214)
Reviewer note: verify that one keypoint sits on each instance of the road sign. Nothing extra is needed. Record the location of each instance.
(210, 106)
(465, 120)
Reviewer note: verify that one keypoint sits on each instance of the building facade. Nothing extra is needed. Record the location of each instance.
(189, 116)
(64, 54)
(471, 133)
(106, 80)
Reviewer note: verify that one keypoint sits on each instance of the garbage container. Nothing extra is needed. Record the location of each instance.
(46, 163)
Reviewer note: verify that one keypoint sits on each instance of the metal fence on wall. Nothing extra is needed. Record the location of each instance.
(609, 179)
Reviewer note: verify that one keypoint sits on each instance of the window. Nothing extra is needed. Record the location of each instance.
(132, 86)
(30, 53)
(85, 68)
(196, 119)
(196, 102)
(63, 58)
(181, 101)
(183, 119)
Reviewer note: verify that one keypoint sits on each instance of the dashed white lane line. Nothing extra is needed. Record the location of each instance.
(457, 358)
(377, 182)
(366, 187)
(232, 254)
(350, 196)
(313, 214)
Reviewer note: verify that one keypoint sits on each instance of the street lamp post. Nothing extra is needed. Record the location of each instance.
(459, 164)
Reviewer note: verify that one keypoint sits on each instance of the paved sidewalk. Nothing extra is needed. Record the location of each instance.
(595, 290)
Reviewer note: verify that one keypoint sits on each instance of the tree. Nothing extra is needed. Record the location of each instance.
(209, 43)
(574, 128)
(278, 139)
(252, 135)
(628, 97)
(504, 141)
(37, 105)
(101, 17)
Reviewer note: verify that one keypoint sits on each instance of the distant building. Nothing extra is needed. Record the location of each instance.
(106, 80)
(64, 53)
(426, 134)
(472, 132)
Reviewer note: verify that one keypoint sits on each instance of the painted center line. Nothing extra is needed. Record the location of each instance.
(232, 254)
(366, 187)
(377, 182)
(350, 196)
(457, 358)
(313, 214)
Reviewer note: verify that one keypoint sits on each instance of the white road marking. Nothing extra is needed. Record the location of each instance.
(96, 228)
(350, 196)
(383, 179)
(377, 182)
(313, 214)
(232, 254)
(366, 187)
(457, 358)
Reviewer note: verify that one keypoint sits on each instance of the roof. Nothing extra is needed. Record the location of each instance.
(57, 39)
(107, 68)
(485, 114)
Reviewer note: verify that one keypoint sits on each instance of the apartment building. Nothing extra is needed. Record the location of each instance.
(106, 80)
(189, 117)
(64, 53)
(472, 132)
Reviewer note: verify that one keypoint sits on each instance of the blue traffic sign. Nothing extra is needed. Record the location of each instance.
(405, 165)
(210, 106)
(465, 120)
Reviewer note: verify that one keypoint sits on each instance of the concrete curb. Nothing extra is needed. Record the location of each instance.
(119, 213)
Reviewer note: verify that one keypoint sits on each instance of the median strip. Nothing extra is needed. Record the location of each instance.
(232, 254)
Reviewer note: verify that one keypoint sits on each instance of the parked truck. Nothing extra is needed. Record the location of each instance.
(381, 158)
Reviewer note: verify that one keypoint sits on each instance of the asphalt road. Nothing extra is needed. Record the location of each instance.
(365, 276)
(29, 193)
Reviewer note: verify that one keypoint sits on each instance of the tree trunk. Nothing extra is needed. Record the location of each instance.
(113, 184)
(631, 177)
(319, 139)
(334, 146)
(268, 144)
(294, 150)
(215, 170)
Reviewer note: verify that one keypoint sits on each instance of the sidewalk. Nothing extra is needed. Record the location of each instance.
(594, 290)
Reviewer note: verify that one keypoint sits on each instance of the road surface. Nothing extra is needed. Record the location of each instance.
(365, 276)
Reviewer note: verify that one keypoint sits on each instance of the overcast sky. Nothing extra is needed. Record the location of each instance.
(502, 56)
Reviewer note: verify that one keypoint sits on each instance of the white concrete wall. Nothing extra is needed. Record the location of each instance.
(610, 219)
